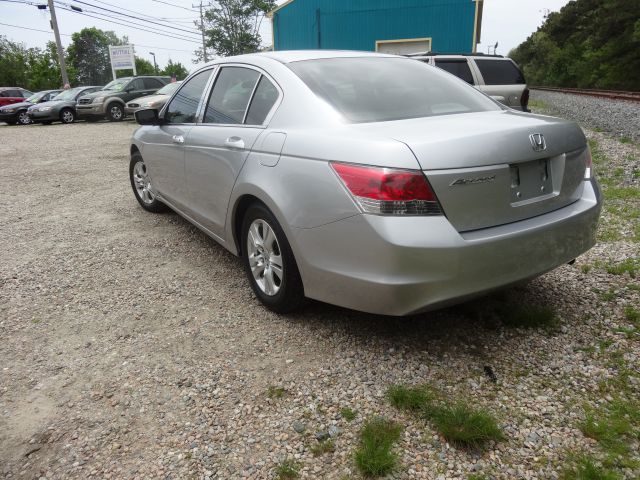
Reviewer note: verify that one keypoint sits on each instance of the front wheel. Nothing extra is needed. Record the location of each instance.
(142, 187)
(67, 116)
(115, 112)
(269, 262)
(23, 118)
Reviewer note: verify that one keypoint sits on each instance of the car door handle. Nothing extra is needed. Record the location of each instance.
(235, 142)
(178, 139)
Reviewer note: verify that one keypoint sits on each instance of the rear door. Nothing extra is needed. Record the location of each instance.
(501, 79)
(164, 144)
(135, 89)
(237, 109)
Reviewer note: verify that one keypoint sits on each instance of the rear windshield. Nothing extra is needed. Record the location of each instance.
(383, 89)
(500, 72)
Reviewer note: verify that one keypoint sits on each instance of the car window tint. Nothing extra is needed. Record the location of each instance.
(378, 89)
(136, 84)
(500, 72)
(459, 68)
(262, 102)
(184, 106)
(230, 95)
(152, 83)
(14, 93)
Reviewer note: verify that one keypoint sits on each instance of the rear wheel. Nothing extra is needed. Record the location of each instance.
(269, 262)
(142, 187)
(115, 112)
(67, 116)
(23, 118)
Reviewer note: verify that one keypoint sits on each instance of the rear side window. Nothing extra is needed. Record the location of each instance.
(459, 68)
(13, 93)
(184, 106)
(500, 72)
(230, 95)
(151, 83)
(262, 102)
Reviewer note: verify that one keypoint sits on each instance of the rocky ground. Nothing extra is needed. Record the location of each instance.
(132, 346)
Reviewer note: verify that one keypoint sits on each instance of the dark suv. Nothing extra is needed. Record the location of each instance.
(109, 102)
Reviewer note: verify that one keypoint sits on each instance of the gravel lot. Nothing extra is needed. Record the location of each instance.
(132, 346)
(618, 117)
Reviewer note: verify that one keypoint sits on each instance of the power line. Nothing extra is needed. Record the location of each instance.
(173, 5)
(143, 14)
(192, 31)
(69, 35)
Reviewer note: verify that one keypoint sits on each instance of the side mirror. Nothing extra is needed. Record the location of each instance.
(147, 116)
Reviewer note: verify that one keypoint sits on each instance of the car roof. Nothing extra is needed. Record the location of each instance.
(13, 88)
(288, 56)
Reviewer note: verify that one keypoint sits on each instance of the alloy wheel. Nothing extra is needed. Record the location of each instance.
(265, 258)
(142, 183)
(67, 116)
(23, 118)
(116, 112)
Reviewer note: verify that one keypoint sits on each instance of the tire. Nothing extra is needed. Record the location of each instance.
(23, 118)
(282, 291)
(67, 115)
(141, 184)
(115, 112)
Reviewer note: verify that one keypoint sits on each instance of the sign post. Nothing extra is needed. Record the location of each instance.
(122, 58)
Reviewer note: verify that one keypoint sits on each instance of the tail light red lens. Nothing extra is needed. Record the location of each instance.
(388, 191)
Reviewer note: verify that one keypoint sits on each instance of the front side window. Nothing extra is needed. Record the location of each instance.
(184, 106)
(500, 72)
(230, 95)
(459, 68)
(383, 89)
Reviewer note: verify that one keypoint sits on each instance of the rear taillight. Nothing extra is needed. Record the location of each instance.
(588, 164)
(524, 100)
(387, 191)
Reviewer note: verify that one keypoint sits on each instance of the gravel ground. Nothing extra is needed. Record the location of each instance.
(619, 117)
(132, 346)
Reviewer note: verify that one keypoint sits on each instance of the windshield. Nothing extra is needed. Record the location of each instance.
(168, 89)
(117, 85)
(68, 94)
(35, 98)
(383, 89)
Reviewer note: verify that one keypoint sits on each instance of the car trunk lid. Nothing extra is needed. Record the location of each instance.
(493, 168)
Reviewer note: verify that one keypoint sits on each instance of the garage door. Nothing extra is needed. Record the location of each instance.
(404, 46)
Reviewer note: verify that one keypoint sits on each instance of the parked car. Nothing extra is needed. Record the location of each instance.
(157, 100)
(369, 181)
(17, 112)
(60, 109)
(495, 75)
(110, 102)
(9, 95)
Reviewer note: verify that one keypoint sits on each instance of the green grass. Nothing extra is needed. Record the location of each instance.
(629, 265)
(625, 140)
(632, 314)
(276, 392)
(587, 468)
(348, 414)
(374, 456)
(466, 427)
(410, 399)
(287, 470)
(586, 268)
(529, 316)
(609, 295)
(613, 426)
(538, 105)
(325, 446)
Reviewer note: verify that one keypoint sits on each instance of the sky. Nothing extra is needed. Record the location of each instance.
(508, 22)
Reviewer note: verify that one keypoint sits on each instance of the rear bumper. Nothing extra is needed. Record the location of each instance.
(402, 265)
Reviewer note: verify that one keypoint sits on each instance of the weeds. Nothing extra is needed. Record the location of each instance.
(276, 392)
(587, 468)
(632, 315)
(348, 414)
(287, 470)
(322, 447)
(374, 456)
(629, 265)
(410, 399)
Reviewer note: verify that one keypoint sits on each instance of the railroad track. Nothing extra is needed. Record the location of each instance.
(612, 94)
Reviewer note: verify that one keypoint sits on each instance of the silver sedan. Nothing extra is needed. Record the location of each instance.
(369, 181)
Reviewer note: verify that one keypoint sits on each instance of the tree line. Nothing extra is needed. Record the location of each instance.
(587, 44)
(87, 59)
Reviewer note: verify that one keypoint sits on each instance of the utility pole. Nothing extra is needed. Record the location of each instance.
(54, 25)
(204, 43)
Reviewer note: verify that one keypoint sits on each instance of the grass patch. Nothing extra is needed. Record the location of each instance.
(276, 392)
(629, 265)
(287, 470)
(529, 316)
(374, 456)
(466, 427)
(348, 414)
(410, 399)
(587, 468)
(586, 268)
(320, 448)
(609, 295)
(538, 105)
(632, 315)
(625, 140)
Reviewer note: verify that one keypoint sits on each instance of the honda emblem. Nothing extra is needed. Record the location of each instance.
(537, 142)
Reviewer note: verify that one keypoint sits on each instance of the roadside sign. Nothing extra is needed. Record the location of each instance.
(122, 58)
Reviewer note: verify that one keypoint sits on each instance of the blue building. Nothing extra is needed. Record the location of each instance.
(390, 26)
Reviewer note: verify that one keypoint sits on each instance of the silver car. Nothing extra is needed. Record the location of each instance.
(368, 181)
(157, 100)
